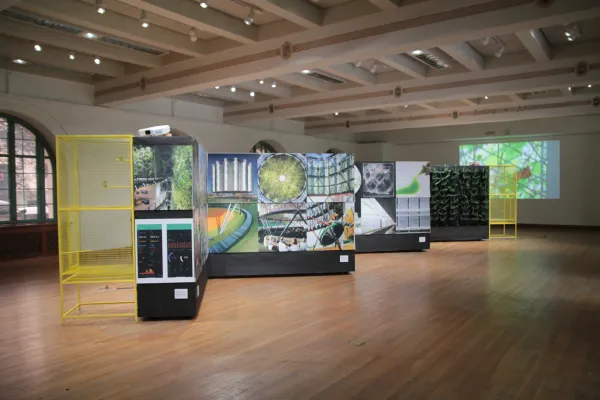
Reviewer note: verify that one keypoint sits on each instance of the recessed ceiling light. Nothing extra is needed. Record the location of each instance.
(90, 35)
(337, 113)
(217, 87)
(486, 97)
(37, 47)
(203, 5)
(101, 8)
(570, 89)
(406, 106)
(306, 71)
(274, 84)
(252, 94)
(71, 56)
(233, 89)
(416, 52)
(589, 86)
(97, 60)
(19, 61)
(261, 81)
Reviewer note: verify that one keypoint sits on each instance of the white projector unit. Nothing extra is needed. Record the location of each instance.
(161, 130)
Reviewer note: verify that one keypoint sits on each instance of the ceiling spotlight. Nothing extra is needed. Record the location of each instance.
(486, 97)
(97, 60)
(193, 35)
(416, 52)
(261, 81)
(306, 71)
(252, 94)
(590, 86)
(19, 61)
(572, 32)
(37, 47)
(486, 41)
(203, 5)
(233, 89)
(500, 51)
(217, 87)
(250, 18)
(337, 113)
(144, 19)
(570, 89)
(406, 106)
(71, 56)
(101, 8)
(90, 35)
(373, 69)
(274, 84)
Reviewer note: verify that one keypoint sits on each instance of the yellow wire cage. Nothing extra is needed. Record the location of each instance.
(503, 201)
(95, 222)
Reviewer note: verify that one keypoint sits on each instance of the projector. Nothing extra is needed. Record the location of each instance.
(161, 130)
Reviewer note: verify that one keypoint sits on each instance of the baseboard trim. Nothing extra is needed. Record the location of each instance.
(549, 226)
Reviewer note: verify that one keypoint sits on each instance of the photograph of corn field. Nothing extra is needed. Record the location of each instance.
(530, 158)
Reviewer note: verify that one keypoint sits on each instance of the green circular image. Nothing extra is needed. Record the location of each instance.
(282, 178)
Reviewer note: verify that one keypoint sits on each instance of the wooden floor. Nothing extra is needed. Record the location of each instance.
(487, 320)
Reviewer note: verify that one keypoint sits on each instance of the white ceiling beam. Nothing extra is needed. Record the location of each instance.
(233, 66)
(465, 54)
(426, 106)
(405, 64)
(205, 19)
(353, 73)
(33, 69)
(58, 58)
(536, 43)
(4, 4)
(511, 84)
(306, 82)
(83, 14)
(565, 57)
(515, 97)
(471, 102)
(32, 33)
(502, 116)
(225, 93)
(192, 98)
(386, 5)
(266, 88)
(300, 12)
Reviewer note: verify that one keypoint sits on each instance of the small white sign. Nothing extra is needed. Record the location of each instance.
(344, 259)
(422, 239)
(197, 290)
(181, 294)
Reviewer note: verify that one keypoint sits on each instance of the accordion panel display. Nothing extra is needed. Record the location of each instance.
(280, 202)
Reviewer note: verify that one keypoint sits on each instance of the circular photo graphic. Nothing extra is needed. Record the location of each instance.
(282, 178)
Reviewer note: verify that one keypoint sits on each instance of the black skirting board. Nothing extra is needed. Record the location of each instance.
(157, 300)
(459, 233)
(274, 264)
(392, 242)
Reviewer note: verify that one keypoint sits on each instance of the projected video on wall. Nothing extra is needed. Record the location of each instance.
(537, 162)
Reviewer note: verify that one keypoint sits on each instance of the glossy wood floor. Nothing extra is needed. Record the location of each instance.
(499, 320)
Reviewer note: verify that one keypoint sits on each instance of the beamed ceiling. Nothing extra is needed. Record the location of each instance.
(340, 66)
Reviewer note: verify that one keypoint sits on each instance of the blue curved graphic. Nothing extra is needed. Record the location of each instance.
(235, 237)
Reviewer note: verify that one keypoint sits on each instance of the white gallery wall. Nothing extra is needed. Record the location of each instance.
(579, 159)
(59, 107)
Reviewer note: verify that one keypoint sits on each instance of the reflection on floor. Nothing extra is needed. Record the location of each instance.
(482, 320)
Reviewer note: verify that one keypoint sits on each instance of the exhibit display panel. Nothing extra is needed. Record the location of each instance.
(95, 222)
(392, 206)
(170, 233)
(459, 203)
(261, 207)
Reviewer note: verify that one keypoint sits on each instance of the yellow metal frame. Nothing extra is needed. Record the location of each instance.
(503, 200)
(79, 266)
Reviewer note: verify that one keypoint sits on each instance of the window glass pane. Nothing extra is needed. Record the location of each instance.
(27, 205)
(50, 204)
(48, 174)
(3, 173)
(4, 205)
(24, 141)
(46, 153)
(3, 136)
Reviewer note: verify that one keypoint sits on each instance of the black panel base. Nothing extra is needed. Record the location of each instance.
(157, 300)
(274, 263)
(392, 242)
(459, 233)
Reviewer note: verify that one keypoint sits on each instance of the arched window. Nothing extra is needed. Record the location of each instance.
(26, 174)
(263, 147)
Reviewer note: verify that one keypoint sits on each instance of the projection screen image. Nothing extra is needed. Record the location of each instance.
(538, 164)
